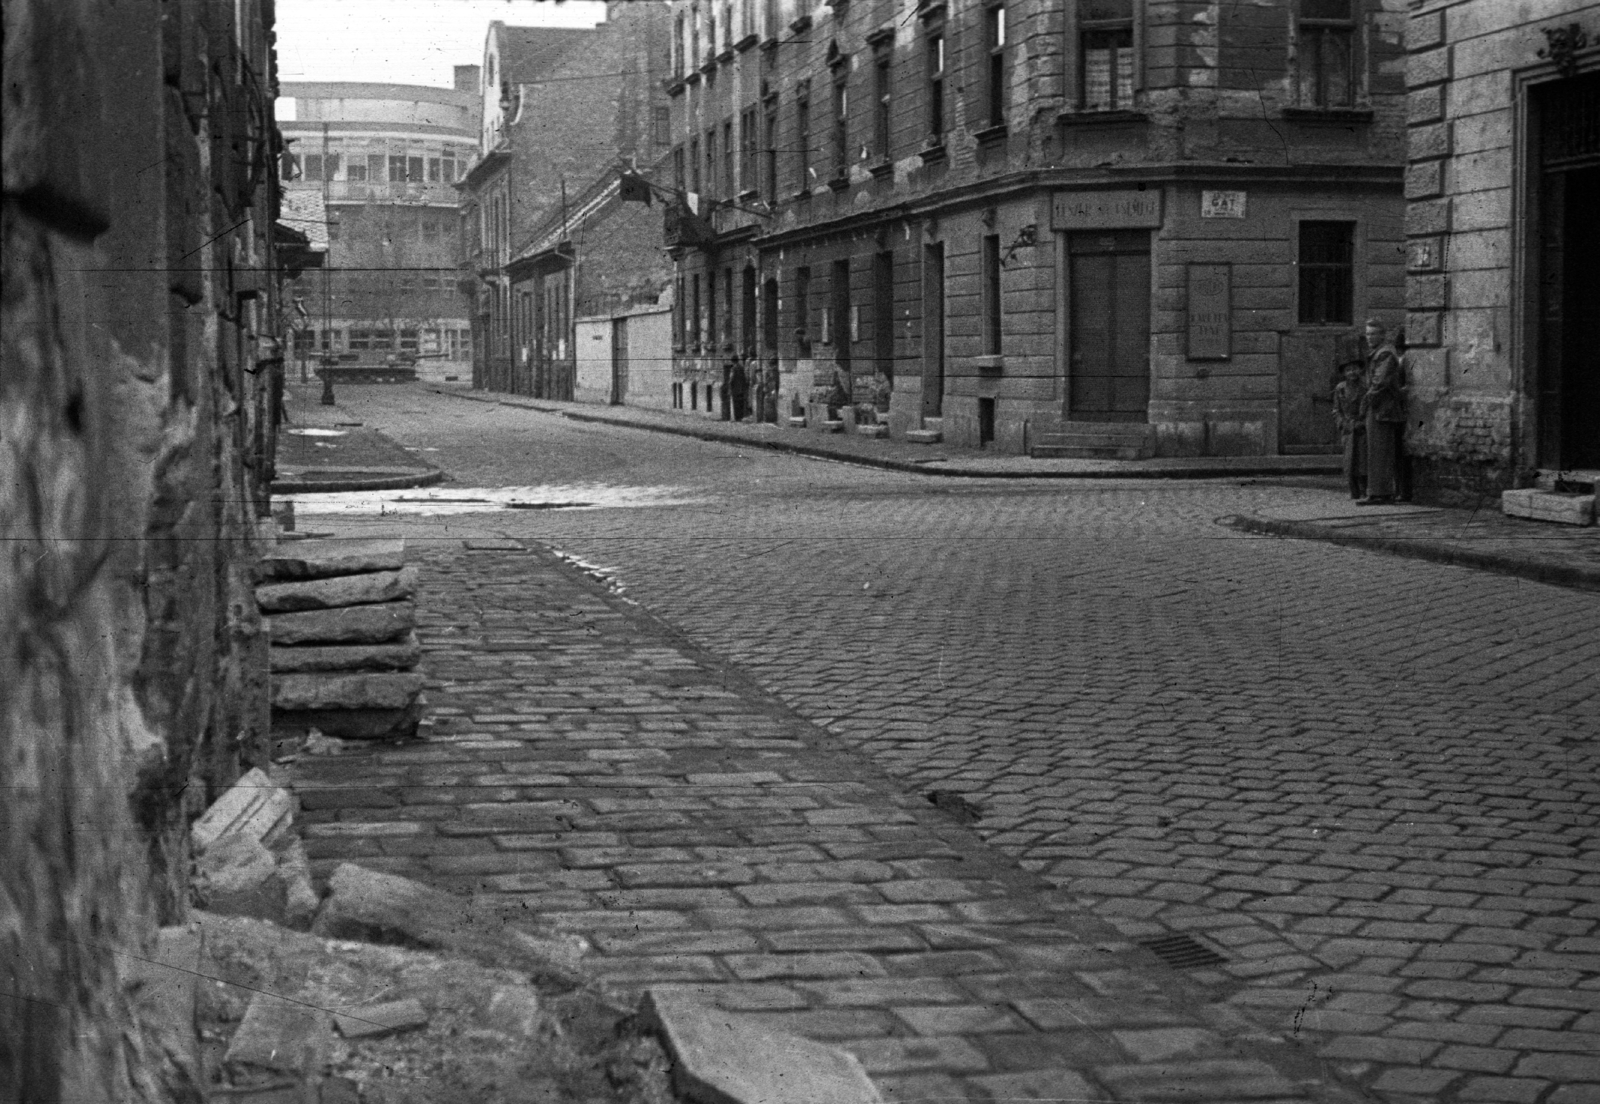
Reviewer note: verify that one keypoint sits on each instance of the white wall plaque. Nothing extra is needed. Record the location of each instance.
(1215, 204)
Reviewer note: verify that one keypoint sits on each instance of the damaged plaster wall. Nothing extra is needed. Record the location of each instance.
(138, 299)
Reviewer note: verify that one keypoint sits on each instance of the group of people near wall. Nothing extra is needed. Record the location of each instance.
(1369, 404)
(747, 389)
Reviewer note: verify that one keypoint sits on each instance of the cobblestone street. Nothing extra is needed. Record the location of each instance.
(1368, 784)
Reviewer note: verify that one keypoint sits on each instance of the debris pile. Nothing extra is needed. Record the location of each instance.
(341, 615)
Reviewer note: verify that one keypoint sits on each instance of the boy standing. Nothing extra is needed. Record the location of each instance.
(1349, 411)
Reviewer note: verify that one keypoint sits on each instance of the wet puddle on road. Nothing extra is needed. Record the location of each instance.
(475, 500)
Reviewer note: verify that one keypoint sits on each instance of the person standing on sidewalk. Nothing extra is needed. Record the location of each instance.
(1386, 415)
(1349, 411)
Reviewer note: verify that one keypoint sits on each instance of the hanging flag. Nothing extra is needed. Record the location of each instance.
(634, 189)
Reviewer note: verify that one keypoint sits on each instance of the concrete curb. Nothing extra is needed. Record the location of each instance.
(1574, 576)
(421, 478)
(1333, 467)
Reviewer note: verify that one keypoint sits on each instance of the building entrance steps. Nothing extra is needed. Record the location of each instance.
(586, 767)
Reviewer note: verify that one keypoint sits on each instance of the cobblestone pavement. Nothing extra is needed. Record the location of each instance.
(1369, 783)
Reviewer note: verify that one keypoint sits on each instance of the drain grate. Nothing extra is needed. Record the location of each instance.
(1182, 952)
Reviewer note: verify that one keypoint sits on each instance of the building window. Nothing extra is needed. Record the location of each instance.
(770, 17)
(711, 31)
(678, 181)
(839, 313)
(841, 122)
(1327, 273)
(1105, 55)
(356, 170)
(802, 138)
(678, 66)
(935, 90)
(433, 170)
(802, 312)
(1325, 47)
(375, 172)
(313, 165)
(449, 167)
(771, 182)
(662, 126)
(397, 169)
(414, 170)
(990, 260)
(711, 161)
(749, 142)
(727, 308)
(883, 73)
(694, 165)
(729, 156)
(711, 310)
(995, 37)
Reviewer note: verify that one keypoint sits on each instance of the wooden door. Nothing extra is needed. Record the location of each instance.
(933, 330)
(1109, 290)
(619, 361)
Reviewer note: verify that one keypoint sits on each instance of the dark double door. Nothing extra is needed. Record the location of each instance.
(1108, 292)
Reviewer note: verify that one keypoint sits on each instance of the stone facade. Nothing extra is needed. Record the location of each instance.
(137, 419)
(1500, 188)
(991, 217)
(385, 159)
(561, 109)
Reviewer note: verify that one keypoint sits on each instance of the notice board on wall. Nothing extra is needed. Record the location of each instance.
(1210, 311)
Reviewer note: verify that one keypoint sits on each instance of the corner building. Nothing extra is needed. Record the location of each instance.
(384, 159)
(1065, 227)
(1502, 226)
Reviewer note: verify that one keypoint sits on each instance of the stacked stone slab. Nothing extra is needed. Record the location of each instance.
(341, 617)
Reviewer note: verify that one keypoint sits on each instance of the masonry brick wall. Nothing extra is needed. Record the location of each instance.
(137, 370)
(1472, 426)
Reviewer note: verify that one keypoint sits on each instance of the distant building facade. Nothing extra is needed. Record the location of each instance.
(1080, 225)
(1502, 230)
(385, 158)
(562, 111)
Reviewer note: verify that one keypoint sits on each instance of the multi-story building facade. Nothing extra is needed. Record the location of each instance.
(561, 109)
(1501, 225)
(1145, 227)
(385, 159)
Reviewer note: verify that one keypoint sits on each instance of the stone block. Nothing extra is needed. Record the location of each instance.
(1428, 67)
(1428, 140)
(237, 876)
(252, 807)
(339, 590)
(396, 690)
(1424, 179)
(1537, 505)
(385, 908)
(402, 655)
(373, 1020)
(723, 1058)
(279, 1035)
(513, 1010)
(1424, 30)
(1425, 105)
(317, 559)
(1427, 292)
(1428, 217)
(1423, 328)
(378, 624)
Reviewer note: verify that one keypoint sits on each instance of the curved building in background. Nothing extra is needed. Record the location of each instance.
(370, 170)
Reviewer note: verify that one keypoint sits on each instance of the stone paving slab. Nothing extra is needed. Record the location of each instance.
(589, 768)
(1562, 555)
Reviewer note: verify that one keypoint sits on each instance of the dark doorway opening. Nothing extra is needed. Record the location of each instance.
(883, 325)
(1567, 373)
(985, 422)
(933, 330)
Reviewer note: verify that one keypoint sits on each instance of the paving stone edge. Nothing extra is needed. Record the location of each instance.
(1565, 575)
(918, 468)
(421, 478)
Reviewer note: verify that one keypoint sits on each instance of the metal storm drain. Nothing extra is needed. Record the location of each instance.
(1182, 952)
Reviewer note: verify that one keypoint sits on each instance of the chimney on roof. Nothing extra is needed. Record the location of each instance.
(467, 78)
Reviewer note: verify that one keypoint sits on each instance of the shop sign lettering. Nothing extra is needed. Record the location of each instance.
(1123, 209)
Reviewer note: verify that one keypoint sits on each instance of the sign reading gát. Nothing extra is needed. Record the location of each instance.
(1123, 209)
(1222, 204)
(1210, 328)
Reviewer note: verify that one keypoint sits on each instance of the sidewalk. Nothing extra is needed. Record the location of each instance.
(1543, 552)
(588, 768)
(326, 448)
(941, 459)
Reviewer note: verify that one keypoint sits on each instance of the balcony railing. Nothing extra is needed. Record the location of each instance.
(351, 190)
